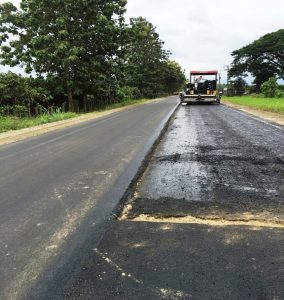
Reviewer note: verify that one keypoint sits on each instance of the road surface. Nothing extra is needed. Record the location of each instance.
(206, 219)
(58, 188)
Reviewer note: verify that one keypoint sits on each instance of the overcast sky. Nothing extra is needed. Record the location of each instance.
(202, 34)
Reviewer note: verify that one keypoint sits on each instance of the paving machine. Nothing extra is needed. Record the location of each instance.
(202, 86)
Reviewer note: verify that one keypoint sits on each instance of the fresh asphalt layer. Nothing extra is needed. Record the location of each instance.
(58, 190)
(205, 220)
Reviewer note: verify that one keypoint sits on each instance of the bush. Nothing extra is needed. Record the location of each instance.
(269, 88)
(6, 110)
(126, 93)
(279, 94)
(20, 111)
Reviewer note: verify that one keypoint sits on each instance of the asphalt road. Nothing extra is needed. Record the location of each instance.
(217, 153)
(206, 219)
(57, 192)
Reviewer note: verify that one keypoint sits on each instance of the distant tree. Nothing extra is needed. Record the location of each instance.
(174, 77)
(12, 89)
(239, 86)
(144, 58)
(75, 41)
(21, 92)
(270, 87)
(264, 58)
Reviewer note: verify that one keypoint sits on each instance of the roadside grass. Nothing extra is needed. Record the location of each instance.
(260, 103)
(14, 123)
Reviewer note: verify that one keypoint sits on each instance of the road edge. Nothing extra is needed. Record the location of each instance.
(143, 166)
(270, 117)
(13, 136)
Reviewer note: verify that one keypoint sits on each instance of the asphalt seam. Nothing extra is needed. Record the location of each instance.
(128, 195)
(204, 221)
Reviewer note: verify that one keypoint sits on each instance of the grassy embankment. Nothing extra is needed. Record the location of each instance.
(260, 103)
(14, 123)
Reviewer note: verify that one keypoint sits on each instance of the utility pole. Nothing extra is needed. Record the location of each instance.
(227, 68)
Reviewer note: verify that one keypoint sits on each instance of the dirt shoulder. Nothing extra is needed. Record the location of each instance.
(266, 115)
(18, 135)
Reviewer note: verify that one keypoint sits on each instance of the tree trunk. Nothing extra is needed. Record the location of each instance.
(70, 100)
(85, 103)
(29, 109)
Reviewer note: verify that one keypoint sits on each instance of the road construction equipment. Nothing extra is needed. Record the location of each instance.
(202, 89)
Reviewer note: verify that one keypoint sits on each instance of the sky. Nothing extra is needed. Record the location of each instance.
(202, 34)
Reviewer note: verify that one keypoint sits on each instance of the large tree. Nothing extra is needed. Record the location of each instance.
(75, 41)
(144, 57)
(174, 77)
(263, 58)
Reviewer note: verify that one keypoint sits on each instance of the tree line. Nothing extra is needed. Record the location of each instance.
(263, 59)
(81, 55)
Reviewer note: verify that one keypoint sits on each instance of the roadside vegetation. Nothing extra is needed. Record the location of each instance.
(79, 57)
(263, 60)
(13, 122)
(258, 102)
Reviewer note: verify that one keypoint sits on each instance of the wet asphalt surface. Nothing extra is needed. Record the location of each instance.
(213, 163)
(217, 154)
(58, 191)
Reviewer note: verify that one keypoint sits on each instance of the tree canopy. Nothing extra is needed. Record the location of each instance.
(144, 57)
(174, 77)
(264, 58)
(84, 53)
(74, 41)
(146, 62)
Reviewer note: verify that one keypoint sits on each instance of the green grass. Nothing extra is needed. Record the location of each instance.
(14, 123)
(266, 104)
